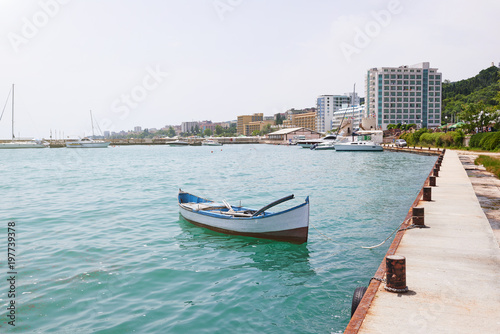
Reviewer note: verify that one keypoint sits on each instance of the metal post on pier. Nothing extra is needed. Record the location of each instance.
(395, 273)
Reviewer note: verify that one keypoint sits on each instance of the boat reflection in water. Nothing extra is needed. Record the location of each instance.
(261, 254)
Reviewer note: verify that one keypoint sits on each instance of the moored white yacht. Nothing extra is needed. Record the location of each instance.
(210, 142)
(308, 143)
(86, 143)
(30, 143)
(358, 143)
(20, 143)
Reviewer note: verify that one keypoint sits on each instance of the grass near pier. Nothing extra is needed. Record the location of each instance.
(491, 164)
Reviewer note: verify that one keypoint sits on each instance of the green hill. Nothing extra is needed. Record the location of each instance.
(483, 87)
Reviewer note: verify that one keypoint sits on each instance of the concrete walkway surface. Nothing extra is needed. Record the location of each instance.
(452, 267)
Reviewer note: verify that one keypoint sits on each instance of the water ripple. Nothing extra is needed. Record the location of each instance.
(102, 247)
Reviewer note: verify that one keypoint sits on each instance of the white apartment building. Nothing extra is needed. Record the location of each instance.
(405, 94)
(326, 106)
(354, 114)
(188, 126)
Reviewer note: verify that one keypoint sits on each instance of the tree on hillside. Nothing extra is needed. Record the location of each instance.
(478, 116)
(219, 130)
(266, 129)
(480, 88)
(170, 132)
(279, 119)
(484, 79)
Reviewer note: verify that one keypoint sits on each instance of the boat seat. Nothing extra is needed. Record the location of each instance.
(202, 206)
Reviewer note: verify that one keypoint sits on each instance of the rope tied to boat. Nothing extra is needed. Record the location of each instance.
(320, 232)
(396, 230)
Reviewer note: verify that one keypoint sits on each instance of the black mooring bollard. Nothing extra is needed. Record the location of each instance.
(395, 271)
(435, 172)
(418, 216)
(432, 181)
(427, 194)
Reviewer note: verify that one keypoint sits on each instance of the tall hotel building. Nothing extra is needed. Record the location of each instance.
(405, 94)
(326, 106)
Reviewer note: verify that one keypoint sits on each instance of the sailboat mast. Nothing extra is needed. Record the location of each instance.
(353, 94)
(92, 121)
(12, 111)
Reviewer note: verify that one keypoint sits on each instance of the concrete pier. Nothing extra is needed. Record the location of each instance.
(452, 268)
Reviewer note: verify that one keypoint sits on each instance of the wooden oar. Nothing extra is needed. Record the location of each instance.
(284, 199)
(228, 206)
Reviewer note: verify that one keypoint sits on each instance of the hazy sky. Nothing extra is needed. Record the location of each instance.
(151, 63)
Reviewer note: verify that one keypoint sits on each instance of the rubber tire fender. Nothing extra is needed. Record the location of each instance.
(359, 292)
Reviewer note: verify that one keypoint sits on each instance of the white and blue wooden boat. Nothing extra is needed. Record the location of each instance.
(290, 225)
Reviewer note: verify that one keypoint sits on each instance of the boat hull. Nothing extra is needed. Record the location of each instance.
(358, 147)
(324, 146)
(178, 143)
(87, 145)
(21, 145)
(291, 225)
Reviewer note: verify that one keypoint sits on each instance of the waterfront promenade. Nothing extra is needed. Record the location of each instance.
(452, 268)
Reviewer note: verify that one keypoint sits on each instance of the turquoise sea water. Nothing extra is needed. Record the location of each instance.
(100, 246)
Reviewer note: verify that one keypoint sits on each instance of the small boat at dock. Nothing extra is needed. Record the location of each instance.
(210, 142)
(178, 143)
(362, 145)
(86, 143)
(290, 225)
(308, 143)
(326, 145)
(361, 141)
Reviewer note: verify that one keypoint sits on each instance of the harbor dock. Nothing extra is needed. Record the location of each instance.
(165, 141)
(452, 267)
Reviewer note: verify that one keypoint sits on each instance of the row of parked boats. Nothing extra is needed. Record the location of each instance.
(207, 142)
(355, 142)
